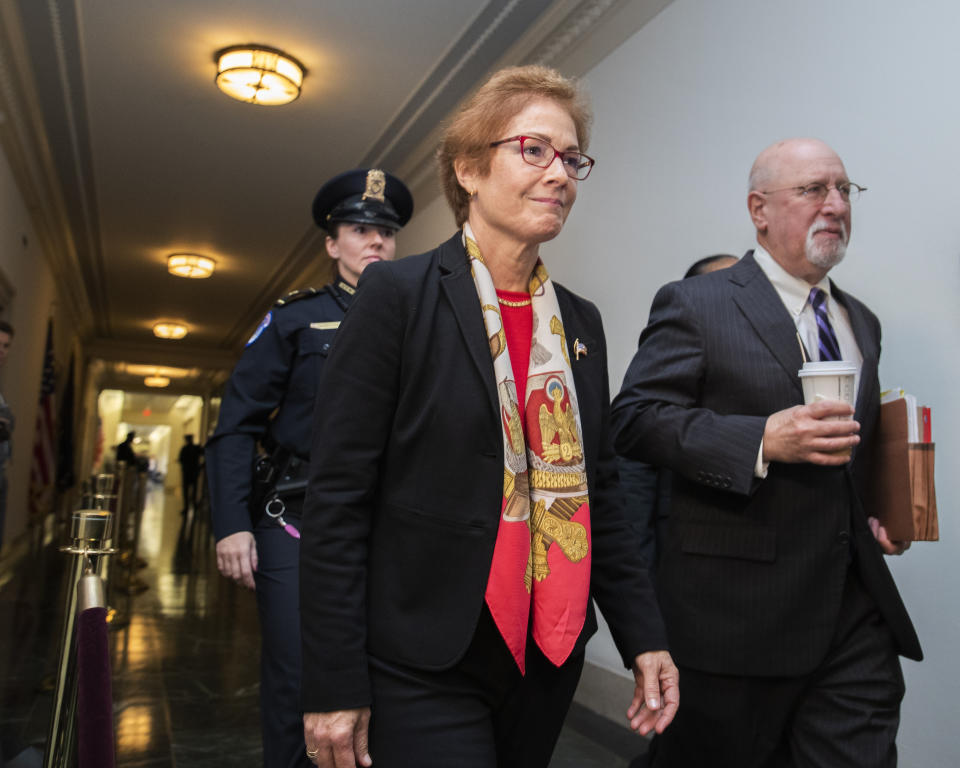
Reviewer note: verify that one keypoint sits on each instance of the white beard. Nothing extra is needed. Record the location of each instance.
(825, 255)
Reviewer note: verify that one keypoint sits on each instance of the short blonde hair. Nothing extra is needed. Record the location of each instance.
(482, 118)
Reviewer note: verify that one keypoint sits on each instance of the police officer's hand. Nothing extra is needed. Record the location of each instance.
(237, 557)
(337, 739)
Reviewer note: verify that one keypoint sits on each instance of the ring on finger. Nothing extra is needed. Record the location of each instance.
(313, 752)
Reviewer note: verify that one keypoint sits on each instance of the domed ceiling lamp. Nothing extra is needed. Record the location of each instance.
(258, 74)
(169, 330)
(190, 265)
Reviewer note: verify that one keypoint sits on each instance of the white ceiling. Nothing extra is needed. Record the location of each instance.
(126, 151)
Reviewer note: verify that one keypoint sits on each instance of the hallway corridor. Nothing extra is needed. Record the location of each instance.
(185, 668)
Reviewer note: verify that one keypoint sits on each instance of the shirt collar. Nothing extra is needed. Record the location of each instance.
(793, 291)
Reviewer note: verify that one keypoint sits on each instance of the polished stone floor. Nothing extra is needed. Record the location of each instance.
(184, 661)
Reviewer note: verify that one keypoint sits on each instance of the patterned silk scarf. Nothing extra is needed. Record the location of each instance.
(542, 553)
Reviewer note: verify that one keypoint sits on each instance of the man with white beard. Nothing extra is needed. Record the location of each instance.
(780, 609)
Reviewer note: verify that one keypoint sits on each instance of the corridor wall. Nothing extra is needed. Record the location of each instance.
(23, 267)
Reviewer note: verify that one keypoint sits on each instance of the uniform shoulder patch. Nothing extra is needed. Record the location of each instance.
(303, 293)
(260, 329)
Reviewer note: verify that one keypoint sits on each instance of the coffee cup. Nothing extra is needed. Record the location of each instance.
(829, 380)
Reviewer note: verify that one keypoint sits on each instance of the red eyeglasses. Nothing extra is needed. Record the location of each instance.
(541, 153)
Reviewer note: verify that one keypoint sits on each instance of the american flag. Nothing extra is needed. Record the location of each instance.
(42, 466)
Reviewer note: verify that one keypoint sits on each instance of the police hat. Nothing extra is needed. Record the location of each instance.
(366, 196)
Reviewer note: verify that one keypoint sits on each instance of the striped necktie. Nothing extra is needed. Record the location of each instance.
(829, 347)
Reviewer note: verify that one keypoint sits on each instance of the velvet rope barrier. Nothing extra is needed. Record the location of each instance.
(83, 669)
(95, 705)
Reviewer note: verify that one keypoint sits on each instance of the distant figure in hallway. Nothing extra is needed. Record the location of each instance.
(189, 459)
(257, 457)
(6, 426)
(125, 451)
(646, 488)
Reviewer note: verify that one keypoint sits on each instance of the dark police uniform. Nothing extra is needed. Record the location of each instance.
(269, 400)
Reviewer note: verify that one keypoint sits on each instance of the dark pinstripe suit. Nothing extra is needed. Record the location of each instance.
(753, 571)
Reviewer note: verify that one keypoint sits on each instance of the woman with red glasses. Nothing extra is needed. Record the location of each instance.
(457, 528)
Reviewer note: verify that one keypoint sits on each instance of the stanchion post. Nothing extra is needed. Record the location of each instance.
(90, 530)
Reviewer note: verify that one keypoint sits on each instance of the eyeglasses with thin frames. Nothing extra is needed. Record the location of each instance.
(818, 191)
(540, 153)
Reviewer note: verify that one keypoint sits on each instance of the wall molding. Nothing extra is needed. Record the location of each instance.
(24, 141)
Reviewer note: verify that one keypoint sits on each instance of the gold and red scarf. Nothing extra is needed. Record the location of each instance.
(541, 560)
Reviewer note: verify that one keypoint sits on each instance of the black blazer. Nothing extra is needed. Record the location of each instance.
(402, 508)
(752, 571)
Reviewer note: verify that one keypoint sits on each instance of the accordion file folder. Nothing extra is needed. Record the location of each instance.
(903, 493)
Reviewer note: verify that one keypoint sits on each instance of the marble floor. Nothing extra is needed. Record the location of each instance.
(184, 661)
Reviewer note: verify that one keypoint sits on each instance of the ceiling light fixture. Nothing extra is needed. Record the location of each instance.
(257, 74)
(157, 381)
(153, 370)
(190, 265)
(168, 330)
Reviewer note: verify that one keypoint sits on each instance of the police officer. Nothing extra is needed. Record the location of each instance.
(258, 455)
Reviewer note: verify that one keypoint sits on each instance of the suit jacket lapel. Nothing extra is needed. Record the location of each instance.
(760, 303)
(585, 371)
(566, 315)
(457, 283)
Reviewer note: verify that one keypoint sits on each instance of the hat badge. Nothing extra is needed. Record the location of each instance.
(376, 183)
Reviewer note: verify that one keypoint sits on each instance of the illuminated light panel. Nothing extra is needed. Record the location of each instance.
(169, 330)
(155, 370)
(257, 74)
(190, 265)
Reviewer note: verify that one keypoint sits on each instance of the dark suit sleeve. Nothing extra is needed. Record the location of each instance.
(660, 415)
(356, 401)
(619, 580)
(255, 389)
(641, 493)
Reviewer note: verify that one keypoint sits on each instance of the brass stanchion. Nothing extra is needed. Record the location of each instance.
(101, 494)
(90, 531)
(120, 507)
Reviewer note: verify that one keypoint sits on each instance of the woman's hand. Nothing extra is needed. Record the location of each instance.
(237, 557)
(657, 695)
(337, 739)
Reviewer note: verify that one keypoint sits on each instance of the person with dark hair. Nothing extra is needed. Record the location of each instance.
(783, 615)
(463, 508)
(6, 426)
(646, 487)
(710, 264)
(189, 459)
(256, 498)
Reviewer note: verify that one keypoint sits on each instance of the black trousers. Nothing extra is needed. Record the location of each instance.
(480, 714)
(278, 603)
(844, 714)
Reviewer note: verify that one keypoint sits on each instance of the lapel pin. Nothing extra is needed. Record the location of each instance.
(579, 348)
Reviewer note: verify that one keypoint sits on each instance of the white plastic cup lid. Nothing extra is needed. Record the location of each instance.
(827, 368)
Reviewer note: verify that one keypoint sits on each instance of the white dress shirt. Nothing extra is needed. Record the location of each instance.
(794, 292)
